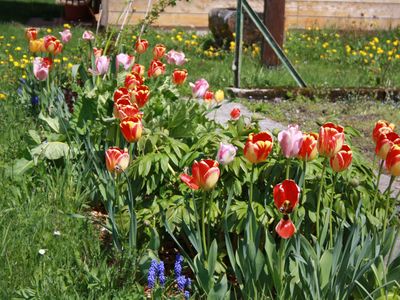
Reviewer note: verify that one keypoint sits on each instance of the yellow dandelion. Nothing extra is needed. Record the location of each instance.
(57, 60)
(1, 37)
(158, 36)
(396, 43)
(48, 30)
(376, 40)
(388, 41)
(24, 76)
(334, 50)
(18, 48)
(22, 66)
(325, 45)
(337, 35)
(67, 26)
(8, 45)
(371, 55)
(2, 96)
(13, 37)
(24, 56)
(397, 56)
(65, 58)
(16, 64)
(380, 50)
(69, 65)
(390, 53)
(194, 36)
(366, 61)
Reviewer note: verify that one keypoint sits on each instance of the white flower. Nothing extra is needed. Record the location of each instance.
(56, 233)
(42, 251)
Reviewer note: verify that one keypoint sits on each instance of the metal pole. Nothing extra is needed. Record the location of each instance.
(271, 41)
(238, 44)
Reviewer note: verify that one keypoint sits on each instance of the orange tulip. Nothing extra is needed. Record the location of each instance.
(141, 95)
(179, 76)
(285, 228)
(330, 139)
(159, 51)
(308, 150)
(286, 196)
(341, 160)
(258, 146)
(205, 175)
(131, 128)
(35, 45)
(117, 160)
(156, 68)
(31, 34)
(132, 80)
(393, 160)
(385, 142)
(382, 126)
(52, 45)
(137, 68)
(141, 46)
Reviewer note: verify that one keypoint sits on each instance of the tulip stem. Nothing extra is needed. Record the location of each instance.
(288, 160)
(203, 223)
(251, 185)
(321, 184)
(303, 184)
(377, 185)
(331, 209)
(385, 219)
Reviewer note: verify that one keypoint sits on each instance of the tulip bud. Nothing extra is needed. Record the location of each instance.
(342, 160)
(141, 46)
(117, 160)
(131, 128)
(308, 150)
(208, 96)
(393, 160)
(257, 147)
(226, 153)
(66, 36)
(88, 35)
(179, 76)
(290, 141)
(235, 113)
(330, 139)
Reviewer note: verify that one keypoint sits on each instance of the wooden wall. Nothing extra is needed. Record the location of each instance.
(341, 14)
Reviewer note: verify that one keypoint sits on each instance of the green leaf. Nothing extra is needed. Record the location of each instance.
(20, 167)
(34, 136)
(212, 258)
(56, 150)
(53, 123)
(326, 265)
(219, 290)
(154, 240)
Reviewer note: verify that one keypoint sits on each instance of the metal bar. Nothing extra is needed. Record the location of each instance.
(237, 63)
(271, 41)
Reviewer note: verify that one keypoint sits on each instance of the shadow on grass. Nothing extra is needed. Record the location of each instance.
(23, 11)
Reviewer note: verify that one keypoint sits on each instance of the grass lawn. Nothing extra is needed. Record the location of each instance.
(34, 210)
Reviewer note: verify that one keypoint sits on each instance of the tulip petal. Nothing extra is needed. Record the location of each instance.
(189, 181)
(285, 228)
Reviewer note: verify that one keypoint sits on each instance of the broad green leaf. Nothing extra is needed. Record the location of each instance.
(53, 123)
(56, 150)
(20, 167)
(212, 258)
(35, 136)
(325, 265)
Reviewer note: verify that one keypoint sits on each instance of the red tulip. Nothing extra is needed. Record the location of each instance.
(382, 126)
(235, 113)
(341, 160)
(159, 51)
(131, 128)
(121, 92)
(31, 34)
(137, 68)
(308, 150)
(385, 142)
(208, 96)
(286, 196)
(285, 228)
(393, 160)
(205, 175)
(141, 95)
(117, 160)
(125, 111)
(141, 46)
(132, 80)
(330, 140)
(258, 146)
(179, 76)
(156, 68)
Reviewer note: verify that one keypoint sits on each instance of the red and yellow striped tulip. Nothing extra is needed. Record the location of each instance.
(31, 34)
(132, 80)
(179, 76)
(117, 160)
(141, 46)
(330, 139)
(382, 126)
(341, 160)
(385, 142)
(52, 45)
(258, 146)
(131, 128)
(156, 68)
(393, 160)
(141, 95)
(205, 175)
(159, 51)
(308, 150)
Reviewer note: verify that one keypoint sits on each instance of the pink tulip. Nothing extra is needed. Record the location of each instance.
(40, 68)
(125, 60)
(290, 141)
(199, 88)
(102, 63)
(226, 153)
(175, 57)
(66, 36)
(88, 35)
